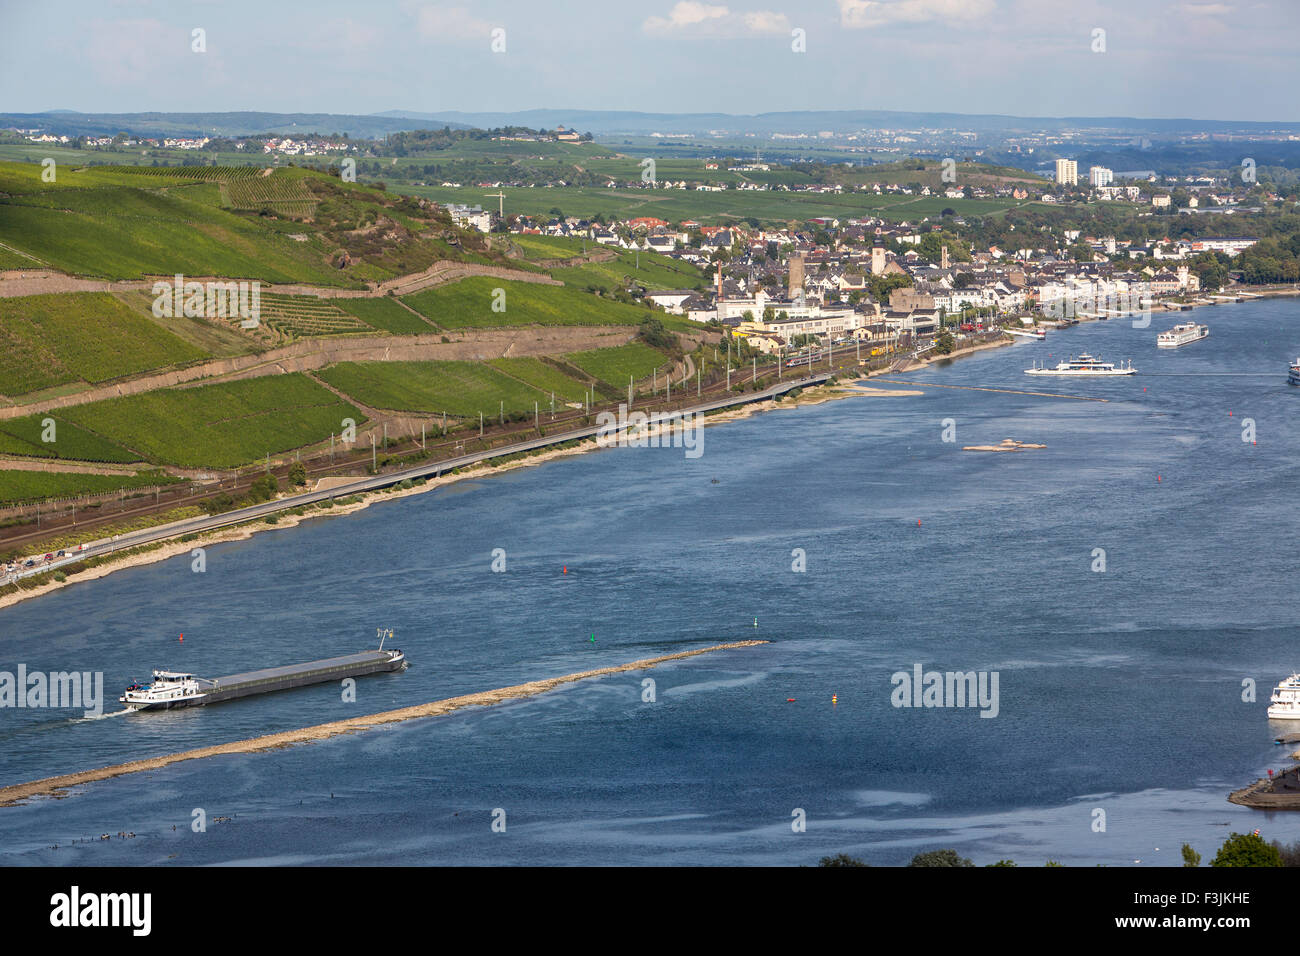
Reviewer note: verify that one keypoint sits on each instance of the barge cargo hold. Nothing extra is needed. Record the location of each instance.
(182, 689)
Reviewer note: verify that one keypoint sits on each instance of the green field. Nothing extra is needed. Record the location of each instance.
(128, 222)
(541, 376)
(384, 314)
(716, 208)
(48, 340)
(648, 269)
(16, 486)
(538, 248)
(615, 365)
(23, 436)
(462, 389)
(159, 225)
(220, 426)
(468, 304)
(298, 315)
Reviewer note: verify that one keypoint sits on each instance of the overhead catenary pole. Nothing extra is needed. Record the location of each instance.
(373, 460)
(480, 424)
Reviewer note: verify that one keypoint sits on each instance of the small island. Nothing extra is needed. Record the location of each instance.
(1007, 444)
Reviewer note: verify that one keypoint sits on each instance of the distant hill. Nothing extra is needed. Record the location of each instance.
(599, 122)
(70, 123)
(608, 122)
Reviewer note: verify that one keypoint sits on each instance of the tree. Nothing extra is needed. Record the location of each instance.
(944, 344)
(940, 858)
(1246, 849)
(298, 474)
(841, 859)
(1190, 856)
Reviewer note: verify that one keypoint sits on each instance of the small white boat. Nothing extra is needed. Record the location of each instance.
(1084, 365)
(1181, 335)
(1028, 333)
(1285, 702)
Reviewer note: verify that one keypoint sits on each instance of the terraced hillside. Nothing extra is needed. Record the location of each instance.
(91, 337)
(468, 304)
(294, 225)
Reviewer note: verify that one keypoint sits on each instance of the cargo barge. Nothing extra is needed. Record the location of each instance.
(182, 689)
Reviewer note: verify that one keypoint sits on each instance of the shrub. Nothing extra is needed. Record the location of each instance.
(1246, 849)
(940, 858)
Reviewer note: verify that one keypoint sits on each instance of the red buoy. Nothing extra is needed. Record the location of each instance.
(182, 638)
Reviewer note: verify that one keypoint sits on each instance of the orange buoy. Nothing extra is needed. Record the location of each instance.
(182, 638)
(566, 569)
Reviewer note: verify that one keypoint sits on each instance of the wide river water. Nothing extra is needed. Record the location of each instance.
(1120, 727)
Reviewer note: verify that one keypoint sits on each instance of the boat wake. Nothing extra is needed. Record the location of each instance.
(112, 713)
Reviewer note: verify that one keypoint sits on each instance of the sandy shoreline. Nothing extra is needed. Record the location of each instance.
(57, 786)
(812, 395)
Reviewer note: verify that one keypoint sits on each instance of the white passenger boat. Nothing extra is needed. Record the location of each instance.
(1285, 702)
(1181, 335)
(1084, 365)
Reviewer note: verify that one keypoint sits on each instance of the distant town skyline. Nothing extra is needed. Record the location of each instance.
(1094, 58)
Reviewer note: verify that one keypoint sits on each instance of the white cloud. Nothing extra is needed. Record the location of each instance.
(864, 14)
(687, 13)
(714, 20)
(767, 21)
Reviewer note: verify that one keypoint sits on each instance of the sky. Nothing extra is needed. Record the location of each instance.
(1141, 58)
